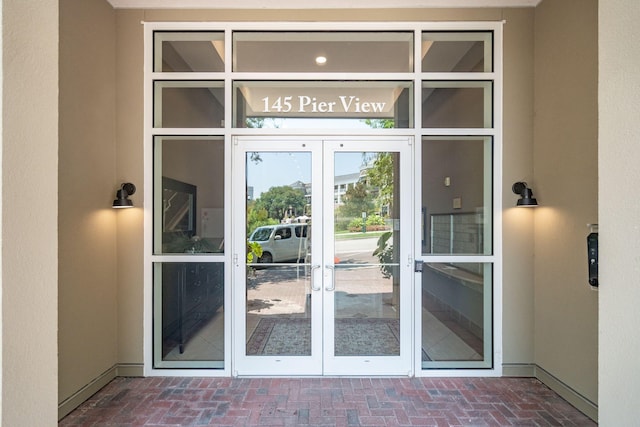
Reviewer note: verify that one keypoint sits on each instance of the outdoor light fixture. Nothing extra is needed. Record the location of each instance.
(122, 196)
(526, 195)
(321, 60)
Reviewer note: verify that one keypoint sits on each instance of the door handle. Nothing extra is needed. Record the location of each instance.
(313, 277)
(333, 278)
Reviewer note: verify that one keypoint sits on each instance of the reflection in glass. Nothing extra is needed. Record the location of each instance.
(456, 195)
(367, 282)
(366, 317)
(188, 104)
(456, 313)
(178, 207)
(457, 105)
(188, 52)
(278, 192)
(189, 314)
(278, 288)
(340, 104)
(457, 52)
(278, 311)
(279, 51)
(189, 194)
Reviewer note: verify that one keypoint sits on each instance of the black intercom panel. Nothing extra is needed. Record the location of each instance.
(592, 256)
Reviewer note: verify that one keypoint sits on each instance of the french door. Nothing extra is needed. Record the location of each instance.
(322, 264)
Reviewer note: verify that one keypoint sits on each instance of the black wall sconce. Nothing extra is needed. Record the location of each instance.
(526, 199)
(122, 196)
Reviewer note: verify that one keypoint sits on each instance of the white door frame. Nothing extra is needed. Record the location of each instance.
(322, 361)
(269, 365)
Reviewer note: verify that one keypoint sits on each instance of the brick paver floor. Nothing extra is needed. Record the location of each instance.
(326, 402)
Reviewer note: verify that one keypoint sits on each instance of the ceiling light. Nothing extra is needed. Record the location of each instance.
(321, 60)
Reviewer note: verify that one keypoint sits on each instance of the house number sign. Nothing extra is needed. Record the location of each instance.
(350, 104)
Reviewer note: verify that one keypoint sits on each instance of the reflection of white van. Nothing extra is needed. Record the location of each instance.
(280, 243)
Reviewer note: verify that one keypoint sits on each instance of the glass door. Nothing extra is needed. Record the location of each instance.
(367, 323)
(277, 281)
(322, 283)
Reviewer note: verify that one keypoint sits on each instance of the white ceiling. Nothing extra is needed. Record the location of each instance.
(316, 4)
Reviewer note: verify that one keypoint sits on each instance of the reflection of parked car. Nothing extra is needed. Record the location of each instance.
(283, 242)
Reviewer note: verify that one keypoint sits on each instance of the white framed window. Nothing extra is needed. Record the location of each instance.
(438, 83)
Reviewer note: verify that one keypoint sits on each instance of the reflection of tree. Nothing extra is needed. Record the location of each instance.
(261, 122)
(380, 175)
(257, 217)
(380, 123)
(254, 122)
(385, 254)
(277, 202)
(255, 157)
(373, 194)
(356, 199)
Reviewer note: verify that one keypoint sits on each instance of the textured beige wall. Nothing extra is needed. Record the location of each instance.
(87, 225)
(619, 154)
(130, 168)
(517, 165)
(566, 185)
(518, 130)
(29, 212)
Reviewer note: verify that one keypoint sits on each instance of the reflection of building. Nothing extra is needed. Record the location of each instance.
(341, 184)
(306, 189)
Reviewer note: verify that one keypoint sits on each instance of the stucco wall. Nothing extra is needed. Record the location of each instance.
(565, 182)
(517, 165)
(619, 152)
(87, 224)
(29, 212)
(130, 168)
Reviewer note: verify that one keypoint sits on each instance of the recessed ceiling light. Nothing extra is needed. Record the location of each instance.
(321, 60)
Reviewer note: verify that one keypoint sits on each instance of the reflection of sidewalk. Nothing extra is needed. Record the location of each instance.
(360, 291)
(277, 291)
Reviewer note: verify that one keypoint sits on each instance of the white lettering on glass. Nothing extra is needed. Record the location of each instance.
(307, 102)
(311, 104)
(282, 104)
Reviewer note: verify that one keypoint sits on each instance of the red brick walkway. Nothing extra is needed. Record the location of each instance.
(326, 402)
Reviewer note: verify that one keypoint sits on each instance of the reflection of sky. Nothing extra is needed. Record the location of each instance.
(277, 169)
(284, 168)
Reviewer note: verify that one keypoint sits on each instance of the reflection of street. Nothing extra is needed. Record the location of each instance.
(356, 251)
